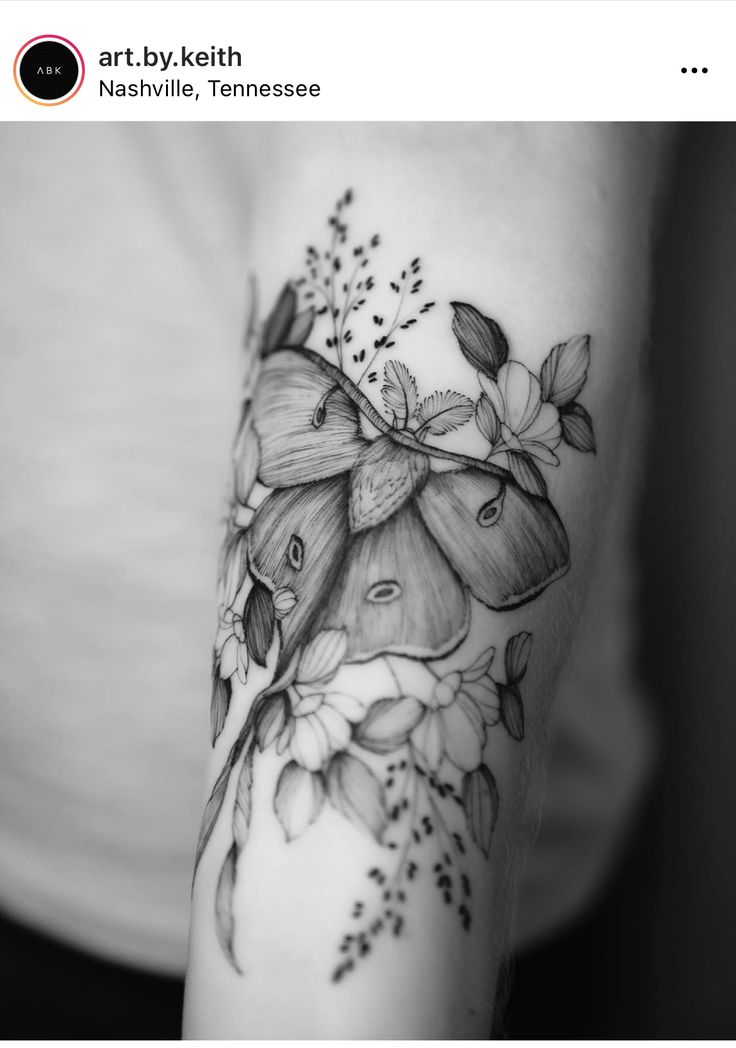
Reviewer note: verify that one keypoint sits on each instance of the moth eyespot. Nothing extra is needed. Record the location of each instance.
(295, 552)
(490, 511)
(383, 592)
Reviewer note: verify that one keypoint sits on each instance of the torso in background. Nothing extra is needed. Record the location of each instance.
(123, 268)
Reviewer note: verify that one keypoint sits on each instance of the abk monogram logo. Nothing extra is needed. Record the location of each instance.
(49, 70)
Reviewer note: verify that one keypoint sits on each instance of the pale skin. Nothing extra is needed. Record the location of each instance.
(546, 229)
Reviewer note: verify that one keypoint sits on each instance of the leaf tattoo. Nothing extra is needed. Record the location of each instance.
(526, 473)
(516, 657)
(224, 917)
(211, 812)
(221, 694)
(480, 801)
(373, 541)
(440, 413)
(565, 370)
(512, 711)
(280, 320)
(487, 420)
(481, 339)
(299, 797)
(301, 327)
(577, 427)
(356, 792)
(243, 801)
(399, 393)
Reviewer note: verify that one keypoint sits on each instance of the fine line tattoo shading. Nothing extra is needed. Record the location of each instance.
(355, 537)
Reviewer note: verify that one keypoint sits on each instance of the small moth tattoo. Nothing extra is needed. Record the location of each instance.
(355, 535)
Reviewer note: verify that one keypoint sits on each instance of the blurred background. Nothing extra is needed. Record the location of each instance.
(656, 957)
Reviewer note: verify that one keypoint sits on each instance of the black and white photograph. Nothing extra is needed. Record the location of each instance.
(366, 574)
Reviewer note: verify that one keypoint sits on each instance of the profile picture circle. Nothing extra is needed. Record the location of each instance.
(49, 70)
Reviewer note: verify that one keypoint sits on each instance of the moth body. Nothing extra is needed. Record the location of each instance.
(385, 476)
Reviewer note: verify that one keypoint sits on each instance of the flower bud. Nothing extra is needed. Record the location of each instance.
(446, 689)
(284, 601)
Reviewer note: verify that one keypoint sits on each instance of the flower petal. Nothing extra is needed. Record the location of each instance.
(348, 706)
(480, 666)
(310, 745)
(540, 451)
(389, 723)
(521, 393)
(463, 743)
(509, 441)
(285, 738)
(322, 657)
(470, 710)
(308, 702)
(284, 602)
(487, 420)
(545, 427)
(484, 694)
(494, 394)
(336, 727)
(428, 739)
(445, 690)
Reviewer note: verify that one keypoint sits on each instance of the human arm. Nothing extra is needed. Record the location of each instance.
(411, 563)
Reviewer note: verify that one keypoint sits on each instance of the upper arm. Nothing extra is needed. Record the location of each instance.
(420, 478)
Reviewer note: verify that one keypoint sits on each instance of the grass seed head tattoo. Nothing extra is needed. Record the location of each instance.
(358, 548)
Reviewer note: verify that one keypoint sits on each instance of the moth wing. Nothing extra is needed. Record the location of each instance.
(505, 545)
(297, 540)
(397, 593)
(308, 428)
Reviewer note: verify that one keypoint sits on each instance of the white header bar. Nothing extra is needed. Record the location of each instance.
(381, 59)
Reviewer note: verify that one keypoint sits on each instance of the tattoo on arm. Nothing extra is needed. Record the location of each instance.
(355, 536)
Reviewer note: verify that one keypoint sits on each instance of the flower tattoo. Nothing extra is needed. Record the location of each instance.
(356, 536)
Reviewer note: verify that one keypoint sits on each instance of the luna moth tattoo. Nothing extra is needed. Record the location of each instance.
(356, 536)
